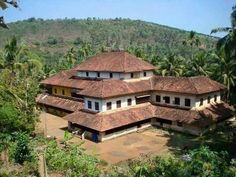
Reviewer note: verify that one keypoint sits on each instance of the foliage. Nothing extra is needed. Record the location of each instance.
(200, 162)
(3, 5)
(22, 152)
(70, 161)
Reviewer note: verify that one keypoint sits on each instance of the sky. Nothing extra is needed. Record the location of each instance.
(197, 15)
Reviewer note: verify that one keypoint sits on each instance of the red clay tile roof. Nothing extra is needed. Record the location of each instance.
(115, 62)
(67, 79)
(189, 85)
(110, 88)
(104, 121)
(58, 102)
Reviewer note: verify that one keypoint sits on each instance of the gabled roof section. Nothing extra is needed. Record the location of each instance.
(190, 85)
(115, 62)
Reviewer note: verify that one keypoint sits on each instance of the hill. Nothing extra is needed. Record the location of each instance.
(57, 36)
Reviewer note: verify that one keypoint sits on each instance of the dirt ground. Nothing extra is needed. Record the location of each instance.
(126, 147)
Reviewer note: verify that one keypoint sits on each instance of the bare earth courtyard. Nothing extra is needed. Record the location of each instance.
(112, 151)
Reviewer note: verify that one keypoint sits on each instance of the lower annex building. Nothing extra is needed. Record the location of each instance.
(115, 93)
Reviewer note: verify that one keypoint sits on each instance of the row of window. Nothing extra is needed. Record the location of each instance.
(96, 105)
(118, 104)
(111, 74)
(208, 99)
(176, 100)
(109, 104)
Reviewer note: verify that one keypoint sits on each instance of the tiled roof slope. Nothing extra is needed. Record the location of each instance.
(62, 103)
(114, 62)
(189, 85)
(66, 79)
(110, 88)
(104, 121)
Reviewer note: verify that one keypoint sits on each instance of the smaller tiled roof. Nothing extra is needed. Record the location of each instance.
(58, 102)
(115, 62)
(189, 85)
(110, 88)
(104, 121)
(68, 79)
(107, 121)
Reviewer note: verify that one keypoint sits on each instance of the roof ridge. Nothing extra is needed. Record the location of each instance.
(193, 84)
(124, 62)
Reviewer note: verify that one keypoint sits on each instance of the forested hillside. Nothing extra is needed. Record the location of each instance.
(57, 36)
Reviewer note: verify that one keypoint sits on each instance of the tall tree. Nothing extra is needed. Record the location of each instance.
(227, 46)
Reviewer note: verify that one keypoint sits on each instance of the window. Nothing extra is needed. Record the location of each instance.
(63, 92)
(208, 99)
(108, 105)
(55, 91)
(201, 101)
(144, 74)
(87, 74)
(180, 124)
(187, 102)
(215, 98)
(111, 75)
(89, 104)
(98, 74)
(118, 103)
(129, 101)
(177, 100)
(132, 75)
(158, 98)
(96, 106)
(167, 99)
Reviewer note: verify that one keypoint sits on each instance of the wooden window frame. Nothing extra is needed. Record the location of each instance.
(131, 75)
(201, 101)
(111, 75)
(166, 98)
(129, 101)
(97, 106)
(89, 104)
(178, 102)
(144, 74)
(109, 105)
(187, 102)
(209, 99)
(118, 104)
(159, 98)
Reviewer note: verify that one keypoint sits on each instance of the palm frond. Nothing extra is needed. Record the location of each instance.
(221, 29)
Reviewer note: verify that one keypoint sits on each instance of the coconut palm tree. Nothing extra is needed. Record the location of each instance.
(228, 42)
(192, 41)
(227, 46)
(171, 66)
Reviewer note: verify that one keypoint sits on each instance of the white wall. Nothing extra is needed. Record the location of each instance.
(205, 99)
(106, 75)
(195, 100)
(103, 103)
(124, 102)
(172, 98)
(86, 99)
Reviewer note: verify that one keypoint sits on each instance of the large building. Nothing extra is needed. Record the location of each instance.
(115, 93)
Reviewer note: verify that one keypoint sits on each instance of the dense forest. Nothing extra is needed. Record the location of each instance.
(34, 49)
